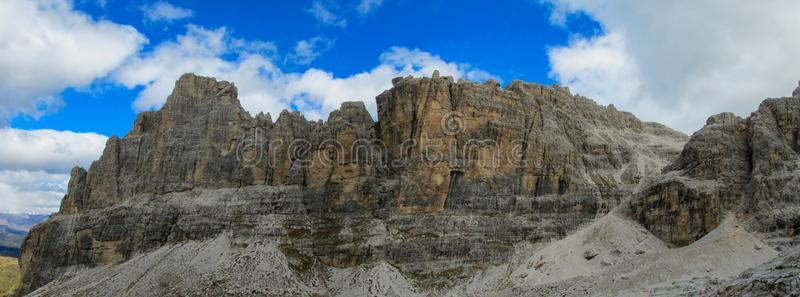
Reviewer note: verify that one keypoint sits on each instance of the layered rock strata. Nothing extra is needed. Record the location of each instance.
(749, 166)
(452, 177)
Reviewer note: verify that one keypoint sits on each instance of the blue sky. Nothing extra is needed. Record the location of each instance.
(74, 72)
(509, 41)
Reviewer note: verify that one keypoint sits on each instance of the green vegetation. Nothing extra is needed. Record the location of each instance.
(9, 275)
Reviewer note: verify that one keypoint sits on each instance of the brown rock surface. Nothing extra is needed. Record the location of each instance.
(454, 191)
(452, 178)
(547, 142)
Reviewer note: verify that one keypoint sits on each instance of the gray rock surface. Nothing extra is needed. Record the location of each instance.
(417, 196)
(750, 166)
(779, 277)
(796, 91)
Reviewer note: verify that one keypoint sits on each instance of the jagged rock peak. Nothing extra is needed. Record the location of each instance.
(724, 118)
(351, 112)
(796, 92)
(193, 101)
(190, 85)
(287, 117)
(262, 117)
(201, 167)
(733, 164)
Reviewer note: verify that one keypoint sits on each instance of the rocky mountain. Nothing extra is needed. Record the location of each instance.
(747, 166)
(21, 222)
(10, 241)
(460, 188)
(13, 228)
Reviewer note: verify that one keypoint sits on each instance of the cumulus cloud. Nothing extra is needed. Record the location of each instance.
(264, 87)
(166, 12)
(678, 62)
(48, 150)
(305, 51)
(203, 51)
(31, 191)
(47, 46)
(324, 13)
(598, 67)
(36, 165)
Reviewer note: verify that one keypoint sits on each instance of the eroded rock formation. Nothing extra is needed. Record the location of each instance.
(748, 166)
(452, 177)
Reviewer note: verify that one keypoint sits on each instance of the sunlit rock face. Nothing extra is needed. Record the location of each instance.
(450, 180)
(549, 142)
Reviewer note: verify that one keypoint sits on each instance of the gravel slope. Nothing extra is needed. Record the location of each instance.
(612, 256)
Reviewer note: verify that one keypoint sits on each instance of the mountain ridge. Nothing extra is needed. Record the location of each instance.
(13, 228)
(420, 191)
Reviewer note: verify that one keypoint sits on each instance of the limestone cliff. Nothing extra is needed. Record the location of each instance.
(448, 182)
(749, 166)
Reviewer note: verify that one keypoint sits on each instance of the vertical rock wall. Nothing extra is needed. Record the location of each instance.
(452, 177)
(746, 166)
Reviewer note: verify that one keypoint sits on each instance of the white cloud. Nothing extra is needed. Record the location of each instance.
(201, 51)
(35, 167)
(598, 66)
(677, 62)
(367, 6)
(48, 150)
(31, 191)
(265, 87)
(325, 14)
(305, 51)
(47, 46)
(164, 11)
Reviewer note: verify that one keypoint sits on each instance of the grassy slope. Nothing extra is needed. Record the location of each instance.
(9, 275)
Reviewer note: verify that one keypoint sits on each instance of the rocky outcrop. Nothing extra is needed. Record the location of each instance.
(462, 141)
(449, 181)
(749, 166)
(779, 277)
(455, 191)
(202, 138)
(188, 143)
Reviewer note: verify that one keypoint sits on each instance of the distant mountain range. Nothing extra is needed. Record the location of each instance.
(13, 228)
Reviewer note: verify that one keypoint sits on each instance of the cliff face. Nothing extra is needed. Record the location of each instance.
(202, 138)
(750, 167)
(547, 142)
(452, 178)
(529, 139)
(186, 144)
